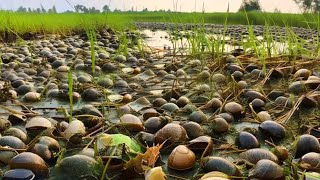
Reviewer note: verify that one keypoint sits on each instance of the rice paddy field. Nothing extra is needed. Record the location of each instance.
(155, 95)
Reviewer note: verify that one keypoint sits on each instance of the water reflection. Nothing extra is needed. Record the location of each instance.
(163, 40)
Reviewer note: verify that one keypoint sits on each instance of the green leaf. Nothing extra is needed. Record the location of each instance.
(105, 140)
(312, 175)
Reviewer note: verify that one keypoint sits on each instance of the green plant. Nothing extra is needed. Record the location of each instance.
(91, 33)
(124, 43)
(70, 92)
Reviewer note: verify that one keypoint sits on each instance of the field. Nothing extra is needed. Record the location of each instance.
(65, 23)
(155, 96)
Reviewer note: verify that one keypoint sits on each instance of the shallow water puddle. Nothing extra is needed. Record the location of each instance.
(160, 40)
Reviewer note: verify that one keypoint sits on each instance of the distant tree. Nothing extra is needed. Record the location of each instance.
(54, 10)
(43, 10)
(22, 9)
(145, 10)
(68, 11)
(106, 8)
(250, 5)
(93, 10)
(77, 8)
(29, 9)
(308, 5)
(38, 10)
(276, 10)
(117, 10)
(81, 8)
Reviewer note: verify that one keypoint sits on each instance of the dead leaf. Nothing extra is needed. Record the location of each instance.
(143, 162)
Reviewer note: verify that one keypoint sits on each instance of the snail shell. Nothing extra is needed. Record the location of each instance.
(181, 158)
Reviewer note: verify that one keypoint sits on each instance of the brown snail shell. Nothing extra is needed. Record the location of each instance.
(250, 95)
(43, 151)
(281, 152)
(273, 129)
(242, 85)
(62, 126)
(274, 94)
(148, 113)
(302, 74)
(203, 75)
(181, 158)
(237, 75)
(264, 116)
(37, 124)
(6, 156)
(171, 133)
(233, 67)
(153, 124)
(197, 116)
(16, 132)
(220, 125)
(228, 117)
(155, 173)
(297, 87)
(75, 131)
(256, 154)
(31, 161)
(17, 118)
(307, 143)
(78, 165)
(32, 97)
(170, 107)
(158, 102)
(50, 142)
(87, 152)
(258, 104)
(234, 108)
(18, 174)
(310, 161)
(4, 124)
(214, 104)
(277, 73)
(131, 122)
(248, 140)
(312, 83)
(215, 175)
(220, 164)
(219, 78)
(201, 144)
(193, 129)
(126, 98)
(309, 102)
(12, 142)
(266, 169)
(91, 94)
(145, 138)
(182, 101)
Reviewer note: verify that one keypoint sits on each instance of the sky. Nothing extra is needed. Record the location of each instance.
(181, 5)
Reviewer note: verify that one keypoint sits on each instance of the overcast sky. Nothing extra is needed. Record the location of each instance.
(183, 5)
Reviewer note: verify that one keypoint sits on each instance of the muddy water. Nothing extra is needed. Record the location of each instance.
(162, 40)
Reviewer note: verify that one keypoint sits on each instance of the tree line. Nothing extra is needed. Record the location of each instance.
(82, 9)
(310, 6)
(306, 6)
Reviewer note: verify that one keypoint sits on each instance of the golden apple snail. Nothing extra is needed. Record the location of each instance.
(212, 163)
(181, 158)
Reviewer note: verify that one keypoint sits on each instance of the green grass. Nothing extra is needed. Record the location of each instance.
(70, 92)
(65, 23)
(91, 34)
